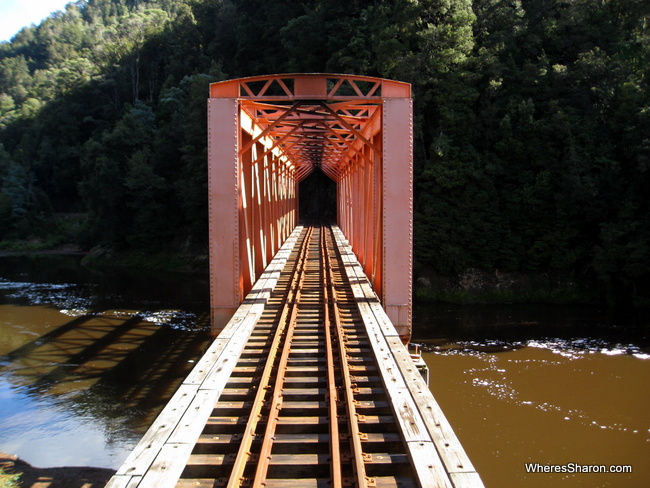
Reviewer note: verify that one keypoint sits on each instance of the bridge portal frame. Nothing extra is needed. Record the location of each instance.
(268, 133)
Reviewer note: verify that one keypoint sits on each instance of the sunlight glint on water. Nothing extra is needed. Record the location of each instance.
(541, 404)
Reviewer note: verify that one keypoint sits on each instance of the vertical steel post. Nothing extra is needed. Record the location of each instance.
(226, 289)
(397, 129)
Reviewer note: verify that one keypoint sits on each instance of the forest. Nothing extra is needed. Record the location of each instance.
(532, 124)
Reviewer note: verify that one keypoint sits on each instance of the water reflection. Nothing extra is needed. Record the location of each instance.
(84, 369)
(88, 358)
(542, 385)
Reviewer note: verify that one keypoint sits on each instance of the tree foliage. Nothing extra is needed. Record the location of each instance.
(532, 120)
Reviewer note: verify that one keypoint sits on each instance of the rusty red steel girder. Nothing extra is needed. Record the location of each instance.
(315, 86)
(314, 135)
(269, 133)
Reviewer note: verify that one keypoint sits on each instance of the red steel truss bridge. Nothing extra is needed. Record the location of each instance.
(309, 382)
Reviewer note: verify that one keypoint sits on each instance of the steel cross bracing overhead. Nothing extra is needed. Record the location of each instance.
(309, 383)
(268, 133)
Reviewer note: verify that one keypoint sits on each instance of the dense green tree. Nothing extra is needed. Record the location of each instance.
(531, 120)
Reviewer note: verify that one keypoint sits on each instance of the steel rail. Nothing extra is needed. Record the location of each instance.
(332, 390)
(331, 323)
(275, 403)
(308, 403)
(355, 435)
(325, 416)
(244, 453)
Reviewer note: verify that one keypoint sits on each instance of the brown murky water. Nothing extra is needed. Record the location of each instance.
(88, 358)
(571, 402)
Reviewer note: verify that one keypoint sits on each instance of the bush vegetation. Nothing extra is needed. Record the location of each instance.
(532, 122)
(9, 480)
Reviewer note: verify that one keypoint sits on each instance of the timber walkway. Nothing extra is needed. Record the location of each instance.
(308, 385)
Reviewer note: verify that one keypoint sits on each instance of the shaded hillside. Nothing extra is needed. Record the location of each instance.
(532, 122)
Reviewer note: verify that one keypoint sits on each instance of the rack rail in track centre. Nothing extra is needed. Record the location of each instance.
(308, 385)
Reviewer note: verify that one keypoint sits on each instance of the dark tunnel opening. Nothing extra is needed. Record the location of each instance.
(317, 199)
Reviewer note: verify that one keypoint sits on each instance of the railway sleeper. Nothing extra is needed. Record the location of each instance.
(380, 482)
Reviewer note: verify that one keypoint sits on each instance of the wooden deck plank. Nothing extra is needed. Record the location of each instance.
(380, 482)
(419, 414)
(429, 473)
(449, 447)
(204, 365)
(432, 447)
(466, 480)
(200, 391)
(124, 481)
(140, 459)
(206, 460)
(168, 466)
(189, 427)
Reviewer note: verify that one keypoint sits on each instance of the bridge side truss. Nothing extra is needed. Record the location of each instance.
(268, 133)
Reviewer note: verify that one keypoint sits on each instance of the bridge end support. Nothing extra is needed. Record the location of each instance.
(397, 194)
(400, 316)
(219, 317)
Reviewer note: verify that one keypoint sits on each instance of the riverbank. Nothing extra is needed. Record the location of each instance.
(60, 477)
(69, 249)
(185, 261)
(475, 286)
(176, 260)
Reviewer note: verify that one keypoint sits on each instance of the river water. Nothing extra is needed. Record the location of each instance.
(89, 357)
(557, 386)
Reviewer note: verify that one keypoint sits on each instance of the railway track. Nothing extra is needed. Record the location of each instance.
(305, 405)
